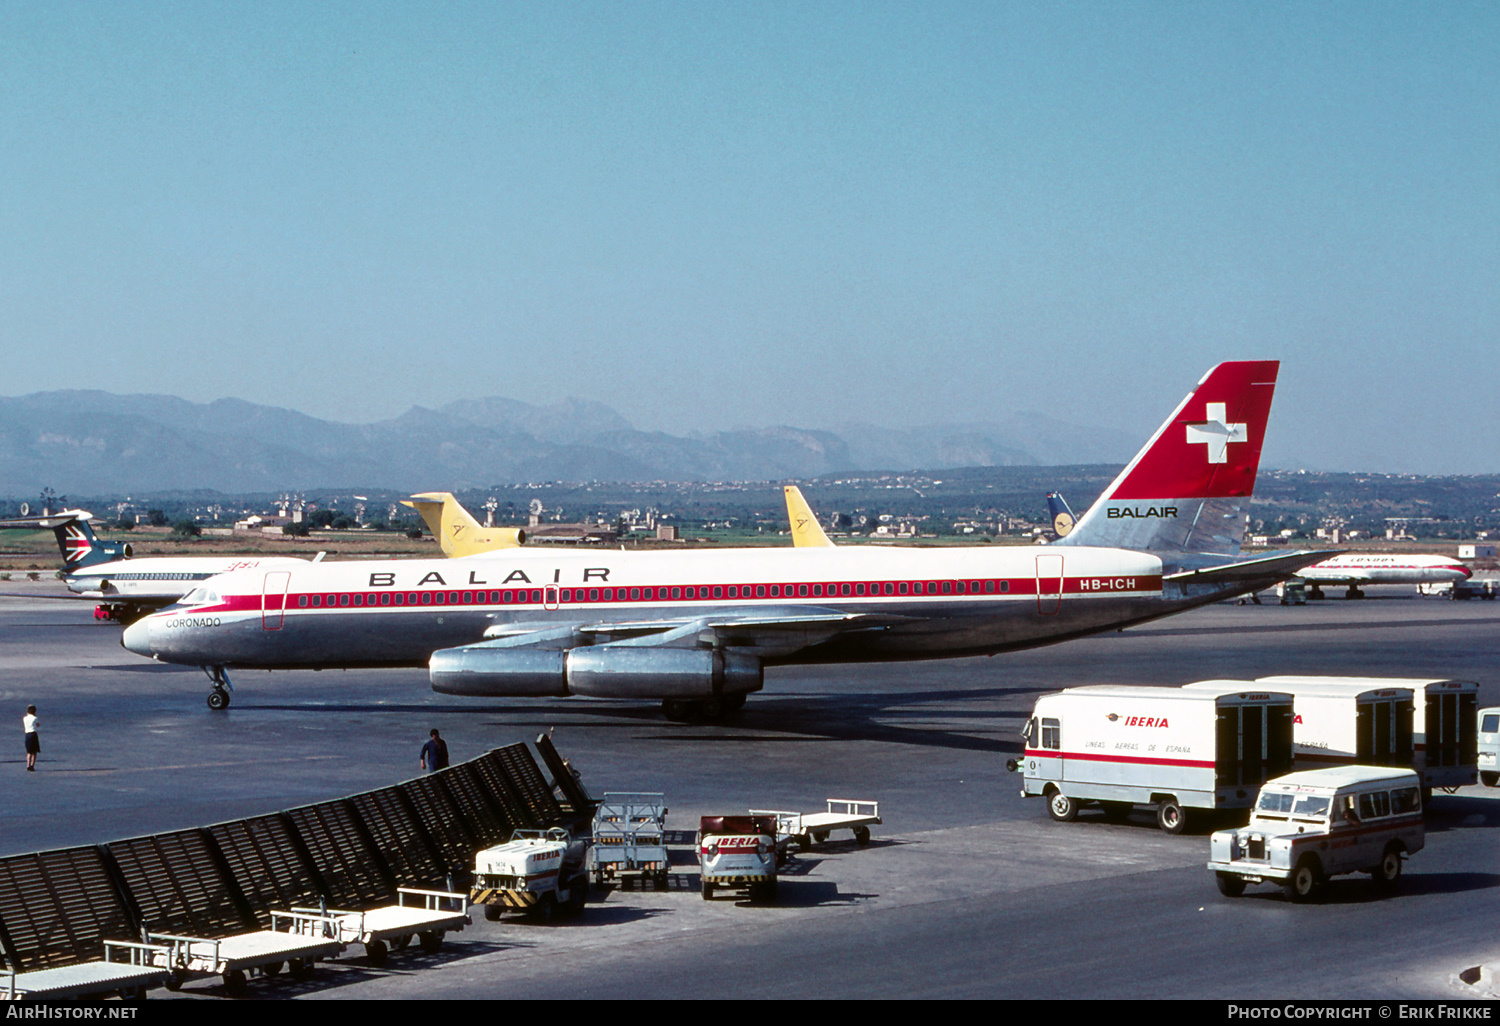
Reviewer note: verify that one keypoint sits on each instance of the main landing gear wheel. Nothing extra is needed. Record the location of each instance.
(218, 699)
(702, 710)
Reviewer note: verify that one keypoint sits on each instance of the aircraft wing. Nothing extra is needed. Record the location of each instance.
(1268, 569)
(766, 632)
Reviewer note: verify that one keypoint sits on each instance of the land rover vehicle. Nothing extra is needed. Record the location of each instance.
(1309, 826)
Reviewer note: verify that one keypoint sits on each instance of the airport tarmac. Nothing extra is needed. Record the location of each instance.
(966, 890)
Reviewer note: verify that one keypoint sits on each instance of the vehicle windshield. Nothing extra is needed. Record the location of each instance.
(1277, 803)
(1312, 806)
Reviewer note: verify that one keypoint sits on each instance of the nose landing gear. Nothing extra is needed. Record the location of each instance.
(218, 698)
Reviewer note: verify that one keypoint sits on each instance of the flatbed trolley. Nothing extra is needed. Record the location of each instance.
(807, 828)
(296, 946)
(417, 913)
(126, 969)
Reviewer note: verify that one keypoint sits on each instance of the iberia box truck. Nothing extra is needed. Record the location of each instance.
(1444, 722)
(1174, 749)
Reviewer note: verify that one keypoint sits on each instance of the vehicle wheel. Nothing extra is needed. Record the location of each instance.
(1490, 779)
(400, 943)
(234, 983)
(492, 913)
(272, 968)
(578, 894)
(1230, 886)
(708, 890)
(1171, 816)
(218, 698)
(545, 910)
(175, 979)
(1062, 808)
(375, 952)
(1388, 874)
(862, 835)
(1303, 883)
(431, 940)
(678, 710)
(805, 841)
(300, 968)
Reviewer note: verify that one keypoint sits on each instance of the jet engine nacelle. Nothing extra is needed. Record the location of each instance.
(601, 671)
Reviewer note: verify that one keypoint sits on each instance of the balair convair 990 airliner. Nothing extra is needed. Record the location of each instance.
(696, 630)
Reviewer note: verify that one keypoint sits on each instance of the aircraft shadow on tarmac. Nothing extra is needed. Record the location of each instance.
(835, 717)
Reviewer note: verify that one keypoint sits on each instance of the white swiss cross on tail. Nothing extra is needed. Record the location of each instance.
(1216, 433)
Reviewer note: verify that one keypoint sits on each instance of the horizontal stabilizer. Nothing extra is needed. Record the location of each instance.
(1267, 568)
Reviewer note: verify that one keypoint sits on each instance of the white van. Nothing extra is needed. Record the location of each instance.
(1170, 748)
(1489, 747)
(1315, 824)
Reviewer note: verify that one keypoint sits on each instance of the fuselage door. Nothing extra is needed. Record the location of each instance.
(273, 598)
(1049, 583)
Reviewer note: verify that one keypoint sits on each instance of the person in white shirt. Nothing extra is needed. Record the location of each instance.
(33, 741)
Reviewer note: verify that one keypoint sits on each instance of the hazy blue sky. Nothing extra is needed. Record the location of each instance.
(715, 215)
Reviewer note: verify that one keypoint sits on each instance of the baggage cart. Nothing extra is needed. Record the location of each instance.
(808, 828)
(425, 915)
(126, 969)
(295, 941)
(629, 839)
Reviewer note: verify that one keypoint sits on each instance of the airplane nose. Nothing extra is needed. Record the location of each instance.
(137, 637)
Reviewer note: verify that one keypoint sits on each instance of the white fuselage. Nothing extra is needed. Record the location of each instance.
(161, 580)
(885, 603)
(1374, 568)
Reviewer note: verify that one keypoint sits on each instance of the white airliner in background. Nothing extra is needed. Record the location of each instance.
(127, 588)
(1353, 569)
(695, 630)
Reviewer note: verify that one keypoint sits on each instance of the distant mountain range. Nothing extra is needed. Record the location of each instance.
(93, 443)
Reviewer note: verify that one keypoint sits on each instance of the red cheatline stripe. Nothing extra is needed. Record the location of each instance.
(990, 588)
(1133, 760)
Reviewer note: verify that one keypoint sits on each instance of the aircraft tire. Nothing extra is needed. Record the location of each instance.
(218, 699)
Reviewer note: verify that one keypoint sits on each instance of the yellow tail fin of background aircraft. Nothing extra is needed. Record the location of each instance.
(458, 533)
(806, 533)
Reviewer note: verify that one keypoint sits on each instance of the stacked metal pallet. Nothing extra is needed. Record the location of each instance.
(257, 895)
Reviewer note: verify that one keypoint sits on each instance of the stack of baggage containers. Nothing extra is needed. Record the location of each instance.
(1345, 725)
(1444, 722)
